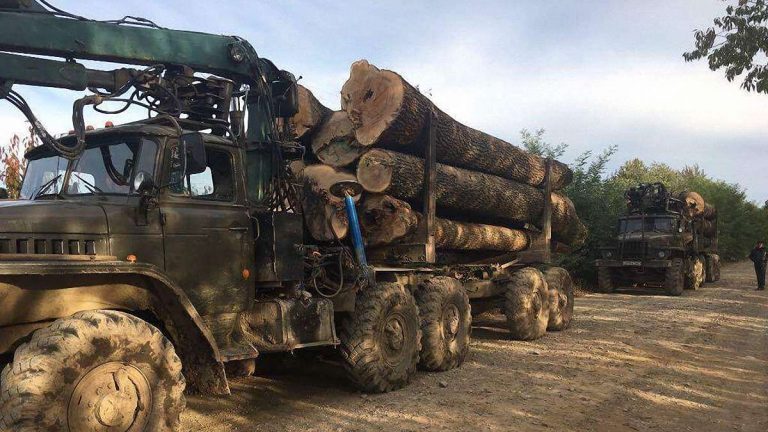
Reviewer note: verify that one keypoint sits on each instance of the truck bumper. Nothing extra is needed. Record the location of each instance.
(634, 263)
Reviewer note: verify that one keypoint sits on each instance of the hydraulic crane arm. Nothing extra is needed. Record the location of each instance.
(174, 60)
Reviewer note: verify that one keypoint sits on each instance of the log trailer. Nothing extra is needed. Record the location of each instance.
(662, 242)
(142, 258)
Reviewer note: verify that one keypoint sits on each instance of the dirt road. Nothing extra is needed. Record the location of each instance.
(633, 361)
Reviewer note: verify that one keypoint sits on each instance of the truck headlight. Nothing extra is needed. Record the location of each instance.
(662, 254)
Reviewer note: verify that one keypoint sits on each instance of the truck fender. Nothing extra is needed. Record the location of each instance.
(62, 287)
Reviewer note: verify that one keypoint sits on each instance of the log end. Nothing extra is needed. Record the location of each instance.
(372, 99)
(310, 115)
(334, 142)
(374, 172)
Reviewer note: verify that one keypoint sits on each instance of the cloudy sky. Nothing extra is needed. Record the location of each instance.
(592, 73)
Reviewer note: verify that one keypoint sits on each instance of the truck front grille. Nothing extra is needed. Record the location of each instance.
(633, 249)
(53, 246)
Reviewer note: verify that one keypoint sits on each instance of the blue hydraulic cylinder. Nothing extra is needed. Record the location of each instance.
(354, 225)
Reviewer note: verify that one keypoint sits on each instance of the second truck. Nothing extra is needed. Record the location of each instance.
(663, 241)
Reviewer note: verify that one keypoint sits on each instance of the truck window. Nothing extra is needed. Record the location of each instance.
(216, 183)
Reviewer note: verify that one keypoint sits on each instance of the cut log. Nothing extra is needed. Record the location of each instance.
(334, 141)
(467, 194)
(695, 206)
(387, 220)
(311, 113)
(390, 113)
(324, 214)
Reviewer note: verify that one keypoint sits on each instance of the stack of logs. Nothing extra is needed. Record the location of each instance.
(486, 189)
(700, 211)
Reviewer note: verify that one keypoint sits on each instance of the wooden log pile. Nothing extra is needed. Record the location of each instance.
(703, 213)
(488, 191)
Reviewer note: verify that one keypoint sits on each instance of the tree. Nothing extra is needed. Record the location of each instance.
(12, 162)
(735, 43)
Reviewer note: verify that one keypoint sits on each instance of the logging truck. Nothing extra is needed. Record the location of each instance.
(141, 258)
(663, 241)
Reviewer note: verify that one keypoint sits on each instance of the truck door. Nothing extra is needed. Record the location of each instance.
(207, 232)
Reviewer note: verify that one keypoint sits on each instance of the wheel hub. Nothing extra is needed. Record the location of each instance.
(451, 321)
(395, 336)
(113, 397)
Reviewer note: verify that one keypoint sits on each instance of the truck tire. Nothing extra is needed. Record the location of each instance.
(694, 273)
(713, 267)
(527, 304)
(560, 287)
(96, 370)
(709, 269)
(381, 341)
(446, 323)
(605, 280)
(674, 278)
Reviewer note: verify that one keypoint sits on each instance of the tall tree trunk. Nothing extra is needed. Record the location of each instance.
(324, 214)
(387, 220)
(390, 113)
(467, 194)
(334, 141)
(311, 113)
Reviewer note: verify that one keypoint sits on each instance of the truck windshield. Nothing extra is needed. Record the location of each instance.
(663, 224)
(104, 168)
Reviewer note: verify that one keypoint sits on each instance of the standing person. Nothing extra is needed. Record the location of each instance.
(759, 256)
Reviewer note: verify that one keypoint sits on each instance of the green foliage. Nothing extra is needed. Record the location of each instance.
(12, 162)
(599, 201)
(734, 43)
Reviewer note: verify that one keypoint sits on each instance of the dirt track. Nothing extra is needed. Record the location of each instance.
(633, 361)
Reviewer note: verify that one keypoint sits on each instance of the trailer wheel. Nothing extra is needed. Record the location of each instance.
(446, 323)
(527, 304)
(381, 341)
(560, 287)
(605, 280)
(694, 273)
(674, 279)
(93, 371)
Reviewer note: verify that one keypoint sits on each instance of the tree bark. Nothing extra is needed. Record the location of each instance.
(334, 141)
(324, 214)
(311, 113)
(387, 220)
(390, 113)
(467, 194)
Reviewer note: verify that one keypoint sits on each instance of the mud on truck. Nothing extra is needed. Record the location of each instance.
(143, 258)
(664, 241)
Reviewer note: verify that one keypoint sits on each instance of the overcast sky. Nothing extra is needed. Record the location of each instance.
(592, 73)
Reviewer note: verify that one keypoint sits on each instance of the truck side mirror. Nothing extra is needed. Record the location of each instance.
(194, 151)
(143, 183)
(285, 95)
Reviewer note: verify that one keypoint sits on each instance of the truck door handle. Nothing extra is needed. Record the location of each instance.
(238, 229)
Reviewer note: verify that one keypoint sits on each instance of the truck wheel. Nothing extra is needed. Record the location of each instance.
(381, 341)
(94, 371)
(446, 323)
(716, 267)
(560, 287)
(694, 273)
(709, 268)
(674, 278)
(527, 304)
(605, 280)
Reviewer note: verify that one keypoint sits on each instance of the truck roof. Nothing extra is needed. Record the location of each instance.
(139, 128)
